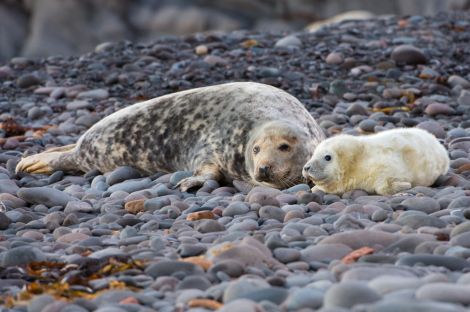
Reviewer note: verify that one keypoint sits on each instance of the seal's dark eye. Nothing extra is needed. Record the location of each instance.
(284, 147)
(256, 149)
(327, 157)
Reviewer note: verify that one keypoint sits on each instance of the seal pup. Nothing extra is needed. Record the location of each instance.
(243, 130)
(384, 163)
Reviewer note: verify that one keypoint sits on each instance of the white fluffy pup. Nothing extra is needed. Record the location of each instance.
(384, 163)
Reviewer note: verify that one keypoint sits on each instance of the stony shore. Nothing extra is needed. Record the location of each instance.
(122, 242)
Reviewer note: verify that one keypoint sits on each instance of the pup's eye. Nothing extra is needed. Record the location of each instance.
(284, 147)
(256, 149)
(327, 157)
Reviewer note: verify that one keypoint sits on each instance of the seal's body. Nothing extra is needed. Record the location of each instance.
(243, 130)
(384, 163)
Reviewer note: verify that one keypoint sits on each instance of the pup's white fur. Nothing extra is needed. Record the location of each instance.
(384, 163)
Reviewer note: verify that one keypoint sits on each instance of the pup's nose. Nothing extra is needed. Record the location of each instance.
(307, 168)
(263, 172)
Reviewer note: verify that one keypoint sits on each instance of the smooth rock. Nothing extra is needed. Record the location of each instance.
(121, 174)
(304, 298)
(169, 267)
(44, 195)
(451, 263)
(349, 294)
(22, 255)
(425, 204)
(408, 54)
(445, 292)
(289, 41)
(324, 252)
(360, 238)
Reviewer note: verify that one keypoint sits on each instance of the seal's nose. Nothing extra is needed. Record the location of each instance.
(307, 168)
(263, 172)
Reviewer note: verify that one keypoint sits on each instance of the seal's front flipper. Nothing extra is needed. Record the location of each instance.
(392, 187)
(201, 175)
(191, 182)
(47, 162)
(398, 187)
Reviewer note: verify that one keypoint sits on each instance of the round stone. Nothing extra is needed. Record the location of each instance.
(451, 263)
(272, 212)
(348, 294)
(28, 80)
(289, 41)
(334, 58)
(235, 208)
(444, 292)
(286, 255)
(408, 54)
(121, 174)
(304, 298)
(22, 255)
(209, 226)
(44, 195)
(169, 267)
(425, 204)
(434, 109)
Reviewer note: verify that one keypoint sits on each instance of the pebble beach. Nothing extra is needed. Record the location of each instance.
(123, 242)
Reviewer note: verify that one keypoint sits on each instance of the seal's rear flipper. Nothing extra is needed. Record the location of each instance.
(47, 162)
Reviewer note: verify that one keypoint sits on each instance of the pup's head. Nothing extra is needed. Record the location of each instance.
(332, 161)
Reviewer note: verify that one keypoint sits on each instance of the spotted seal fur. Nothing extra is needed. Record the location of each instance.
(243, 130)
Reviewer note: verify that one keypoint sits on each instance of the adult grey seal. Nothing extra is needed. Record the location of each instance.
(242, 130)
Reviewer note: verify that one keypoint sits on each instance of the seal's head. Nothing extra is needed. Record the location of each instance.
(334, 163)
(276, 153)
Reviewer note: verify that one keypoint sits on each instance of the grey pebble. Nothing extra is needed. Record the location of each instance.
(287, 41)
(121, 174)
(304, 298)
(425, 204)
(411, 305)
(168, 267)
(178, 176)
(417, 219)
(286, 255)
(98, 94)
(408, 54)
(4, 221)
(44, 195)
(8, 186)
(22, 255)
(235, 208)
(243, 286)
(272, 212)
(209, 226)
(130, 186)
(451, 263)
(349, 294)
(28, 80)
